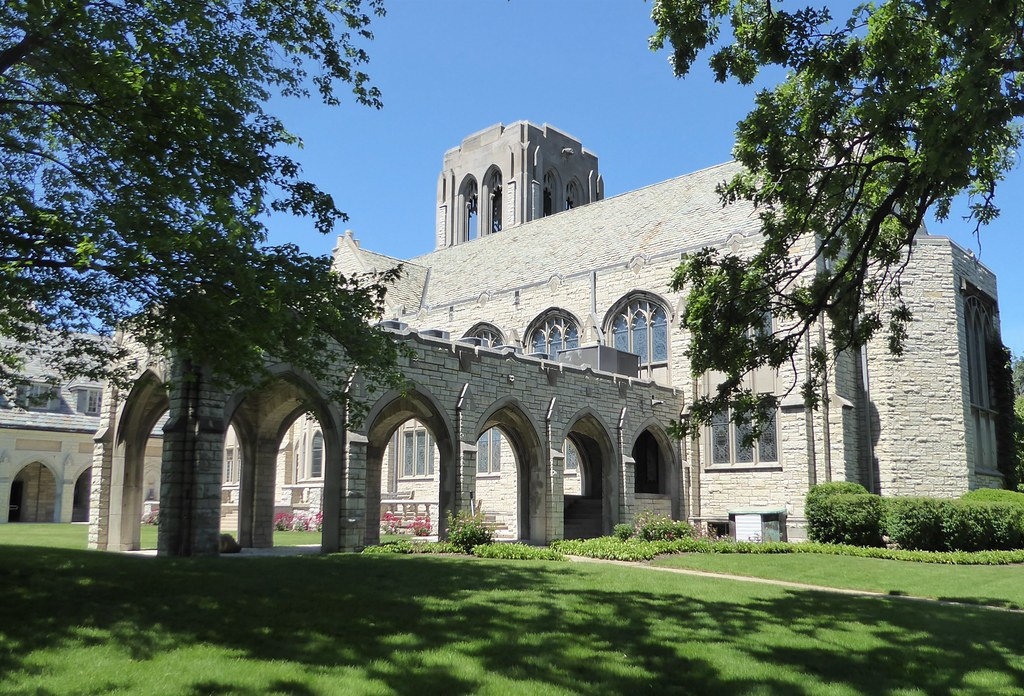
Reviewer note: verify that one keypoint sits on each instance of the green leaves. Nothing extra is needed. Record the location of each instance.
(883, 117)
(140, 166)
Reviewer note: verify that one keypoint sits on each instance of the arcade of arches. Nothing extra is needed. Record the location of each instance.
(550, 455)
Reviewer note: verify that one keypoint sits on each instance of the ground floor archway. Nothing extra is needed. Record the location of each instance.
(33, 495)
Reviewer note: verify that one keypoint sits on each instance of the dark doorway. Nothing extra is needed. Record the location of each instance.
(17, 493)
(80, 506)
(646, 454)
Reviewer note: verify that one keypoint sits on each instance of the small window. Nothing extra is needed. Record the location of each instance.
(572, 457)
(728, 446)
(572, 195)
(488, 334)
(37, 397)
(231, 465)
(417, 455)
(488, 452)
(89, 401)
(316, 469)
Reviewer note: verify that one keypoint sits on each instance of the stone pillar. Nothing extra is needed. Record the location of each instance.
(246, 490)
(371, 483)
(65, 503)
(352, 522)
(190, 475)
(554, 527)
(264, 470)
(464, 499)
(5, 498)
(334, 485)
(628, 496)
(99, 491)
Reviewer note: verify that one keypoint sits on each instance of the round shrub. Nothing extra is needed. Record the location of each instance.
(465, 531)
(622, 531)
(650, 526)
(915, 523)
(847, 518)
(820, 526)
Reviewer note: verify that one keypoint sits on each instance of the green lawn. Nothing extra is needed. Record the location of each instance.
(86, 622)
(76, 536)
(995, 585)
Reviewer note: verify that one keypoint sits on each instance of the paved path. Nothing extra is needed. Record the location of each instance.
(796, 585)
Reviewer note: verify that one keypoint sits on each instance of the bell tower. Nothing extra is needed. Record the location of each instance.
(504, 176)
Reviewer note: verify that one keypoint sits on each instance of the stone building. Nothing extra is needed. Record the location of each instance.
(546, 359)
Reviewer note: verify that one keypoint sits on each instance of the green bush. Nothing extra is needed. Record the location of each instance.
(400, 546)
(915, 523)
(995, 495)
(847, 518)
(467, 531)
(517, 552)
(622, 531)
(819, 528)
(969, 525)
(651, 526)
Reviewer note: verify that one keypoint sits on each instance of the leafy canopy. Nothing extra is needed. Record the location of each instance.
(881, 117)
(139, 166)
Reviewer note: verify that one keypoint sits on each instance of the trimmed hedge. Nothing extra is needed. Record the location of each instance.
(995, 495)
(980, 526)
(517, 552)
(822, 524)
(610, 548)
(915, 523)
(847, 518)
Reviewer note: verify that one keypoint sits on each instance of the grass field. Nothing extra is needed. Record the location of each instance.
(993, 585)
(76, 536)
(86, 622)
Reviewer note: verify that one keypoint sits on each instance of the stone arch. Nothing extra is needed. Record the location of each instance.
(145, 405)
(261, 417)
(514, 422)
(667, 479)
(386, 415)
(80, 499)
(600, 461)
(33, 495)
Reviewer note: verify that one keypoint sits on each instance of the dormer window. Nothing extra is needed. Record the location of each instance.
(37, 396)
(90, 401)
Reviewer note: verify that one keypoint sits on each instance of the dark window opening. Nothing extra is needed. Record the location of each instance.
(647, 471)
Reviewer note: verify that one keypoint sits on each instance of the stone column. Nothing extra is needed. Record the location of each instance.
(190, 475)
(465, 480)
(334, 485)
(246, 490)
(264, 470)
(628, 496)
(352, 522)
(65, 503)
(5, 498)
(554, 527)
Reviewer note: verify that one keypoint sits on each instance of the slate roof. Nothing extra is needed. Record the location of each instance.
(681, 213)
(65, 417)
(408, 289)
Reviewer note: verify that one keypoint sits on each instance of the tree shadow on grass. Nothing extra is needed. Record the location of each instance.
(418, 625)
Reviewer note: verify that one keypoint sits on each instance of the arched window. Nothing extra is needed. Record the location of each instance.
(557, 332)
(572, 195)
(979, 332)
(232, 465)
(489, 334)
(549, 192)
(488, 452)
(641, 327)
(494, 191)
(469, 199)
(316, 467)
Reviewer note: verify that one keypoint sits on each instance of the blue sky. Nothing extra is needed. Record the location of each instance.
(449, 68)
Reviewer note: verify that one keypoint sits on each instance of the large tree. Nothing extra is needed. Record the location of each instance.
(883, 116)
(139, 165)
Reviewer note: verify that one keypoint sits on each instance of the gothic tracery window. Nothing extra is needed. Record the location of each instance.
(494, 191)
(558, 332)
(641, 327)
(470, 200)
(979, 331)
(729, 444)
(572, 195)
(316, 466)
(549, 188)
(489, 335)
(488, 452)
